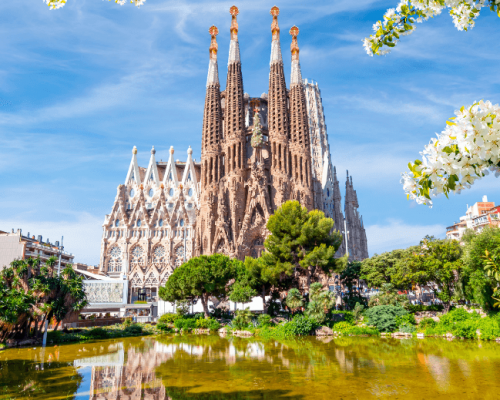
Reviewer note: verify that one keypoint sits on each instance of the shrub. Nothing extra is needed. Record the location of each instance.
(302, 325)
(406, 319)
(346, 328)
(97, 333)
(185, 324)
(489, 328)
(465, 329)
(406, 327)
(384, 317)
(347, 315)
(127, 321)
(264, 320)
(242, 319)
(163, 327)
(427, 323)
(208, 323)
(456, 315)
(133, 329)
(169, 318)
(280, 332)
(342, 326)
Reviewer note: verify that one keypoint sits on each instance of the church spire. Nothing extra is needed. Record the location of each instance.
(234, 46)
(296, 77)
(213, 69)
(275, 30)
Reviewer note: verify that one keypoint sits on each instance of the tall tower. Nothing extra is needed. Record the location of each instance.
(356, 236)
(299, 131)
(278, 121)
(234, 139)
(211, 155)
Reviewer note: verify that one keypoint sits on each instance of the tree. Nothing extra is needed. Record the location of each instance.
(493, 270)
(439, 262)
(401, 21)
(465, 151)
(320, 302)
(31, 293)
(350, 277)
(478, 286)
(302, 243)
(388, 296)
(202, 277)
(380, 269)
(55, 4)
(294, 299)
(259, 278)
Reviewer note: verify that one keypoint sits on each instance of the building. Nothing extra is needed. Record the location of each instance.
(16, 246)
(257, 153)
(476, 218)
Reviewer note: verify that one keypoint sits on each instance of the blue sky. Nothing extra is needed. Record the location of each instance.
(80, 86)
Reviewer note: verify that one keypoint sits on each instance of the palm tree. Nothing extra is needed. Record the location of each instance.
(294, 300)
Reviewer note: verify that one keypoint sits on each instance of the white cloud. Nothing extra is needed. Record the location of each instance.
(397, 234)
(82, 235)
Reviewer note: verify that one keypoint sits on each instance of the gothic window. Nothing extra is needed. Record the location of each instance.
(115, 260)
(151, 192)
(160, 222)
(257, 247)
(137, 256)
(136, 281)
(220, 247)
(117, 222)
(151, 280)
(189, 176)
(179, 256)
(190, 192)
(171, 192)
(181, 222)
(132, 192)
(159, 254)
(138, 223)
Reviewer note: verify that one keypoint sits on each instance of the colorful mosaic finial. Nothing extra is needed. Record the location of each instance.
(275, 29)
(294, 47)
(234, 23)
(213, 44)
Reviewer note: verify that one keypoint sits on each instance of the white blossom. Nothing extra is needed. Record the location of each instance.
(401, 20)
(55, 4)
(465, 151)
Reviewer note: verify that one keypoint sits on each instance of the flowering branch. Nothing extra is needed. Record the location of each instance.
(401, 20)
(465, 151)
(55, 4)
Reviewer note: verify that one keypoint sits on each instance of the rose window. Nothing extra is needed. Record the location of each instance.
(159, 254)
(115, 260)
(137, 256)
(179, 256)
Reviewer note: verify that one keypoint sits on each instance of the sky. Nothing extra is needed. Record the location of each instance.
(80, 86)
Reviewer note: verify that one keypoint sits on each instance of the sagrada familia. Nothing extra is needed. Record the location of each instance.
(256, 153)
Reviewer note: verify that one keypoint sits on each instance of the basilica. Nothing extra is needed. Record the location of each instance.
(256, 153)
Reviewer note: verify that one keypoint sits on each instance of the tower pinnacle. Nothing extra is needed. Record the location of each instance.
(213, 69)
(275, 30)
(234, 47)
(296, 78)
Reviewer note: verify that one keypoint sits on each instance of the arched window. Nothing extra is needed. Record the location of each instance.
(137, 256)
(117, 223)
(159, 254)
(151, 192)
(115, 260)
(171, 192)
(181, 222)
(138, 223)
(179, 256)
(160, 222)
(132, 192)
(327, 192)
(190, 192)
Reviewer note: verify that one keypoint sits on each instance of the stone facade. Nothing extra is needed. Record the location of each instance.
(257, 153)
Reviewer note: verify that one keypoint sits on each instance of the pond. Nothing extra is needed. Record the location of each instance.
(210, 367)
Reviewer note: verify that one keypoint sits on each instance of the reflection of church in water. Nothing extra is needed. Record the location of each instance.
(257, 152)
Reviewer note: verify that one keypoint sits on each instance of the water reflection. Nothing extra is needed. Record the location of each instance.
(209, 367)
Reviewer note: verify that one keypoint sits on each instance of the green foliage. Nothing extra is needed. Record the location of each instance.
(457, 315)
(420, 307)
(208, 323)
(350, 277)
(489, 328)
(379, 269)
(302, 325)
(384, 317)
(243, 318)
(321, 302)
(133, 330)
(97, 333)
(427, 323)
(279, 332)
(264, 320)
(389, 297)
(169, 318)
(346, 329)
(185, 324)
(294, 299)
(406, 327)
(348, 316)
(201, 277)
(29, 290)
(301, 242)
(357, 311)
(140, 302)
(406, 319)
